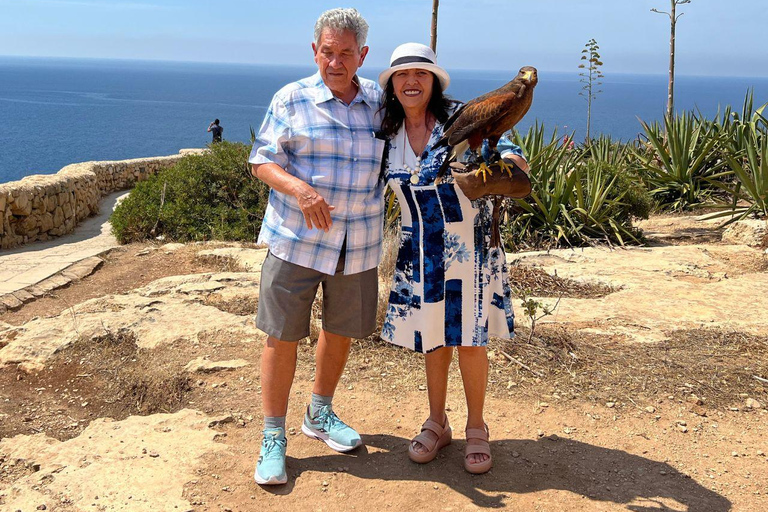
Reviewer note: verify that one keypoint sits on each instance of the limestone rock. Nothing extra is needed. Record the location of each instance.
(752, 232)
(151, 314)
(690, 287)
(170, 248)
(203, 365)
(114, 461)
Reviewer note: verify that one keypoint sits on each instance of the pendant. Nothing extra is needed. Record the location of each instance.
(415, 179)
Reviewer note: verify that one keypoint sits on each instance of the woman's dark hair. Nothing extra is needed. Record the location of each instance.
(439, 106)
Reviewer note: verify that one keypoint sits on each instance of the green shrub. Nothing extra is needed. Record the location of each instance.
(203, 197)
(573, 201)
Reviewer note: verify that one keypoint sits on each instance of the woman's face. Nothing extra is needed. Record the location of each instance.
(413, 87)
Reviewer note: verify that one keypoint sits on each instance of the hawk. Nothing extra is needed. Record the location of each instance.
(488, 117)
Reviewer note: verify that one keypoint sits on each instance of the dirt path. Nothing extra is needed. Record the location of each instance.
(591, 422)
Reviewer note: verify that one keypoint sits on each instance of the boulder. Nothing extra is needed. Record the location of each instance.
(751, 232)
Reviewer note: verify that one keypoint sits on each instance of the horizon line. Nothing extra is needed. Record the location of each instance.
(309, 66)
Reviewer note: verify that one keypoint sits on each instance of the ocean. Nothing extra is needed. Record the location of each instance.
(59, 111)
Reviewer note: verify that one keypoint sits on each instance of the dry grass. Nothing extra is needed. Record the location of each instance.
(123, 381)
(712, 368)
(534, 281)
(240, 306)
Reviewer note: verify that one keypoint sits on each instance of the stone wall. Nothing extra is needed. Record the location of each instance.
(40, 207)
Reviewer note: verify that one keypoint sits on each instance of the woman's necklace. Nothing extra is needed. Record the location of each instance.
(414, 172)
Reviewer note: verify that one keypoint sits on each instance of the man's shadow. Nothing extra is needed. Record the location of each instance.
(522, 466)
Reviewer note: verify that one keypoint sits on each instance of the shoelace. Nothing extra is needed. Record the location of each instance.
(328, 418)
(270, 443)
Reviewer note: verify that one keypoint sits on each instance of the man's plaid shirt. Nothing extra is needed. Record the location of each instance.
(330, 145)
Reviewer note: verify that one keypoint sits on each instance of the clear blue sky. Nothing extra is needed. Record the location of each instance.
(715, 37)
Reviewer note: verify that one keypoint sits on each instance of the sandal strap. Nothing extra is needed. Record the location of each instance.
(478, 433)
(433, 427)
(476, 449)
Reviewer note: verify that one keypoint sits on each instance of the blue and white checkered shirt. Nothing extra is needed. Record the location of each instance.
(331, 146)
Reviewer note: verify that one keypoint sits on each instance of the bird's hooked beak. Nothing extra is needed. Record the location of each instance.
(527, 75)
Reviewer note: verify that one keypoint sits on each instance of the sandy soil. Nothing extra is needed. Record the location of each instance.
(622, 430)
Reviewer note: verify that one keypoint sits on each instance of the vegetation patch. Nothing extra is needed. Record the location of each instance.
(203, 197)
(707, 369)
(533, 281)
(241, 306)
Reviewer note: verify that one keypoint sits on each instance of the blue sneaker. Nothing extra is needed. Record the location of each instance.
(328, 428)
(270, 470)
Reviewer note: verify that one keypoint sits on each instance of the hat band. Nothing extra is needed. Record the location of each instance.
(409, 59)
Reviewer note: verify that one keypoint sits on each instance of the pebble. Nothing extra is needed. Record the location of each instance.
(325, 483)
(610, 405)
(650, 409)
(515, 454)
(751, 403)
(422, 387)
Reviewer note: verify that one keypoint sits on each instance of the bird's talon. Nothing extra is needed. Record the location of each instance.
(505, 166)
(484, 170)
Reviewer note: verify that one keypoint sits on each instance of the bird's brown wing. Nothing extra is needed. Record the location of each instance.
(484, 112)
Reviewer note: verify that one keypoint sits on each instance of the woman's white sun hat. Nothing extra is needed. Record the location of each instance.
(414, 56)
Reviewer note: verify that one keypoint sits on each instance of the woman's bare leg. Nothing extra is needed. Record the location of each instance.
(473, 363)
(437, 362)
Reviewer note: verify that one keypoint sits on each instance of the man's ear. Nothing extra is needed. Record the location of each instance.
(314, 48)
(363, 53)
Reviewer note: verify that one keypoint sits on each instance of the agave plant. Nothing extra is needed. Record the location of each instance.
(678, 159)
(572, 202)
(746, 152)
(606, 150)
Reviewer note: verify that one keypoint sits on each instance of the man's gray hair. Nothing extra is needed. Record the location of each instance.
(343, 19)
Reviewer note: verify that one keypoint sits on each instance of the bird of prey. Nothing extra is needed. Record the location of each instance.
(488, 117)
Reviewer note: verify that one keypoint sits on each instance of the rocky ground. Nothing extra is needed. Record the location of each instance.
(137, 389)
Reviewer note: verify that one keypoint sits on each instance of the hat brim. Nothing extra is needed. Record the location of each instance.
(440, 73)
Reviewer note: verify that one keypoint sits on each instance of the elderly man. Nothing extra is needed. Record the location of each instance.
(317, 151)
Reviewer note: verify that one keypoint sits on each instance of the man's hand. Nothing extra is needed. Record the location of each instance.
(316, 211)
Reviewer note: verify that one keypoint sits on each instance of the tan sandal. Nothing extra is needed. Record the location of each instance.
(478, 434)
(444, 436)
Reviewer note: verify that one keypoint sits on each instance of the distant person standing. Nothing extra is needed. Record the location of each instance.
(216, 129)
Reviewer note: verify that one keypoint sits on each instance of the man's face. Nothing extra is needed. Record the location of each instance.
(338, 58)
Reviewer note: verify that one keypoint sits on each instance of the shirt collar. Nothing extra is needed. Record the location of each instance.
(324, 93)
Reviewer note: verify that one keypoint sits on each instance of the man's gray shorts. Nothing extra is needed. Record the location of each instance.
(287, 291)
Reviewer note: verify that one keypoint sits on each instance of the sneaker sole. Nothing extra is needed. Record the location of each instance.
(270, 481)
(321, 436)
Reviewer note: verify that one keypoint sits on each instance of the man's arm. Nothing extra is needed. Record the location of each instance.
(511, 151)
(316, 211)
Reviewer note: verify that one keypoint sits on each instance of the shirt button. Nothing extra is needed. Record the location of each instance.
(354, 159)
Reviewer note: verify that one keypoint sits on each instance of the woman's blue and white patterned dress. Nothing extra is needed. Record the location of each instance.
(450, 287)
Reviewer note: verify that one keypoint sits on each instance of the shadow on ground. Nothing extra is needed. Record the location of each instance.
(524, 466)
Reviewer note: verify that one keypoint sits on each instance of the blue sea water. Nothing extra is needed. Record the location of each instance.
(58, 111)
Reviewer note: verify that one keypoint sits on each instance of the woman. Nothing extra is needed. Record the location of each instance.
(450, 287)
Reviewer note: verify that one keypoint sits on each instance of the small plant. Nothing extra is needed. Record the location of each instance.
(535, 310)
(590, 77)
